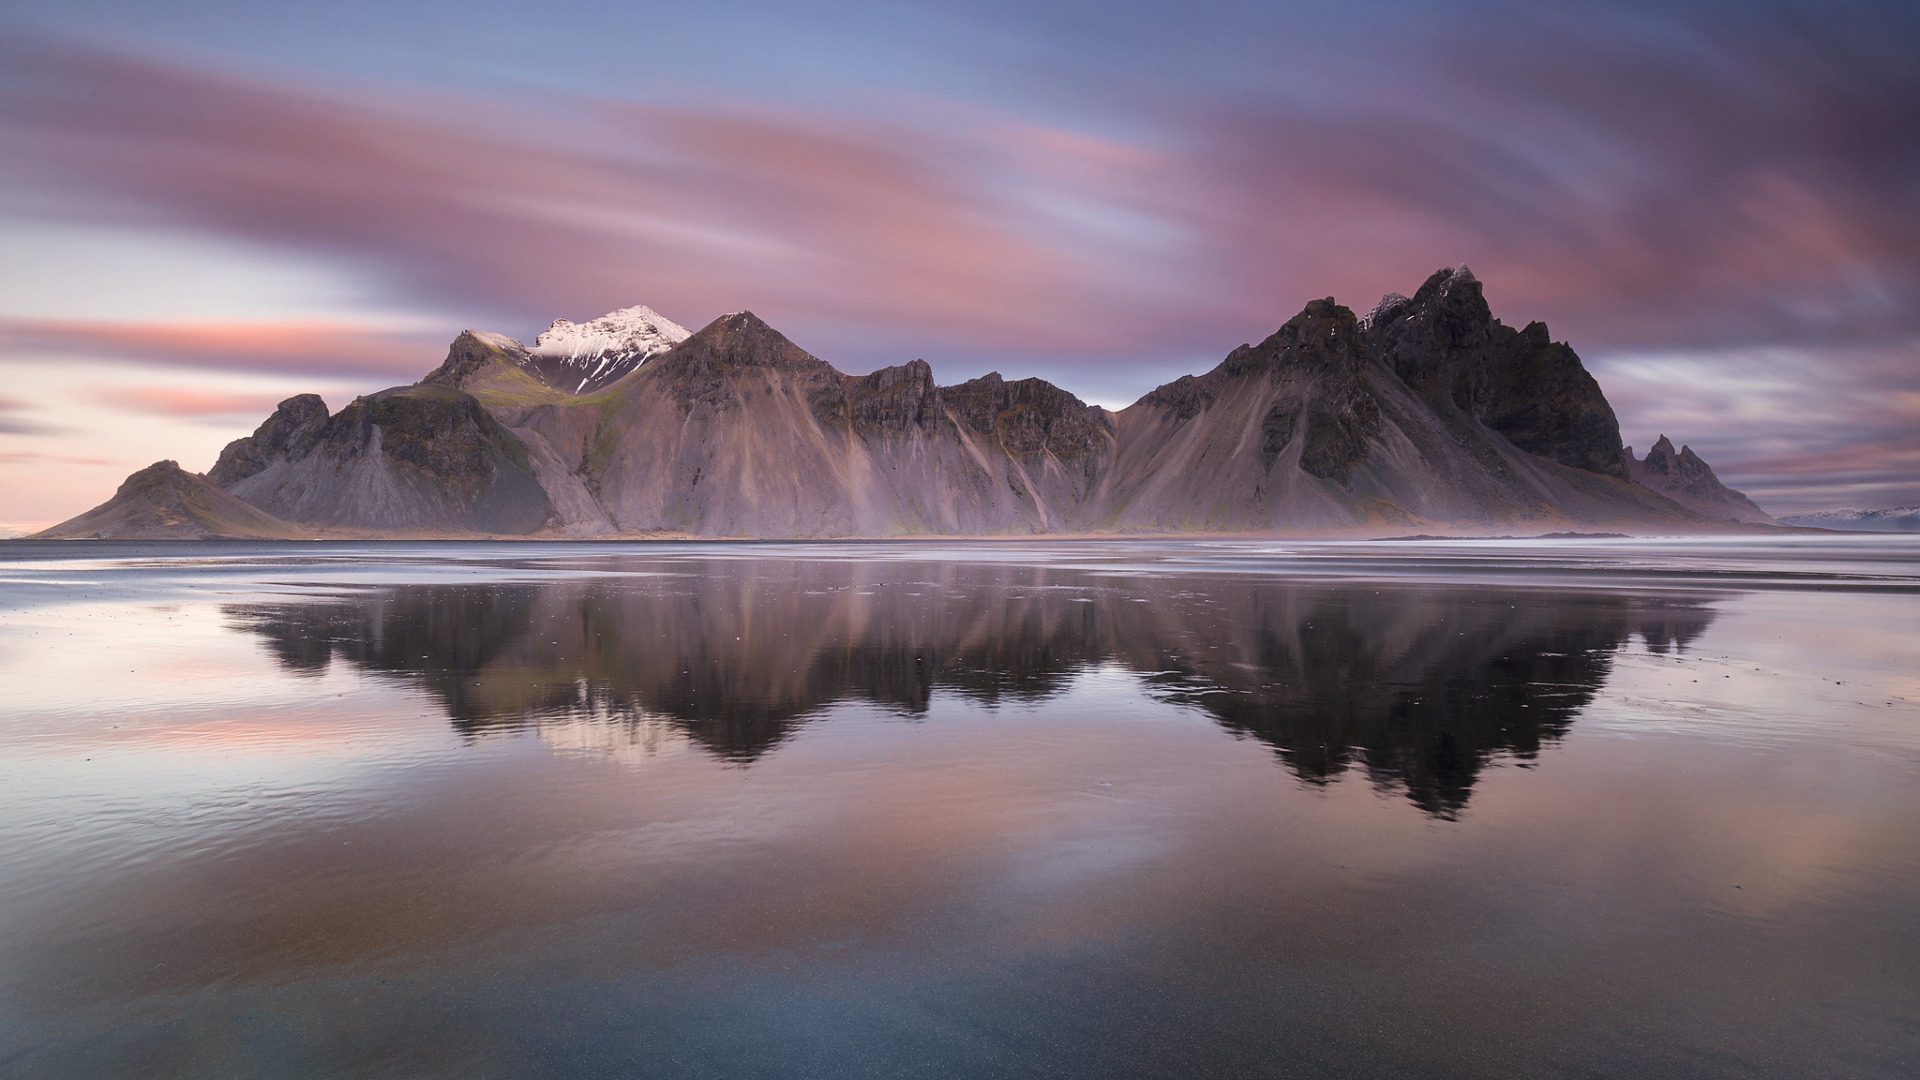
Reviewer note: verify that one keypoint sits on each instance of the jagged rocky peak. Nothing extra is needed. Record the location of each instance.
(1325, 332)
(1448, 313)
(294, 428)
(1326, 345)
(1419, 336)
(1445, 344)
(1682, 467)
(581, 358)
(1688, 480)
(1388, 304)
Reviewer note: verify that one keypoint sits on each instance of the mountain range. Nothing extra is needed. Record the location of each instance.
(1427, 413)
(1892, 519)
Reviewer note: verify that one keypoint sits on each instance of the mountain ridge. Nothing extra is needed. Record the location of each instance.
(1888, 519)
(1428, 413)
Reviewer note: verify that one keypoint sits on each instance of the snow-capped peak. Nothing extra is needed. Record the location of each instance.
(622, 333)
(583, 357)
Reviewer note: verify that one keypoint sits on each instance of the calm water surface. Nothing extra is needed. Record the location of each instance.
(1581, 809)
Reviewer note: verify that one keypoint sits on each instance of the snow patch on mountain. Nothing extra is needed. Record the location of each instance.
(582, 357)
(1892, 519)
(624, 332)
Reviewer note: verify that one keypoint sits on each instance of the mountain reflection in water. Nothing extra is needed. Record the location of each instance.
(1421, 687)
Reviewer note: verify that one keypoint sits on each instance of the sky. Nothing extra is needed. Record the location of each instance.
(206, 207)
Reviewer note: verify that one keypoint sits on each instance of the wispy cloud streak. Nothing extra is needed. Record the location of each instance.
(1686, 186)
(186, 402)
(832, 219)
(330, 349)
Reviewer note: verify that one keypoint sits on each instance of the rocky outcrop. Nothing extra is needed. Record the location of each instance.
(1689, 481)
(165, 502)
(290, 433)
(1031, 417)
(473, 353)
(893, 401)
(425, 457)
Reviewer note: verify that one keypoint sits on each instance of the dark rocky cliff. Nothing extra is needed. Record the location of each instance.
(891, 401)
(1030, 417)
(1427, 411)
(291, 432)
(1445, 344)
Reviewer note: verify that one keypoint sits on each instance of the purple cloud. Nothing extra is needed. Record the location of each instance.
(13, 420)
(1681, 187)
(838, 220)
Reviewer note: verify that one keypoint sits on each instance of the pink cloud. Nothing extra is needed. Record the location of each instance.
(317, 348)
(12, 422)
(695, 212)
(23, 457)
(1630, 193)
(1630, 188)
(185, 402)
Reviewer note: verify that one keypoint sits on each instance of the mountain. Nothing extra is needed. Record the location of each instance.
(583, 357)
(1395, 420)
(416, 458)
(1445, 345)
(571, 358)
(739, 432)
(1429, 414)
(1895, 519)
(1689, 481)
(165, 502)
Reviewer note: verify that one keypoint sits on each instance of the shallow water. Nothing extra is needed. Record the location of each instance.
(1581, 808)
